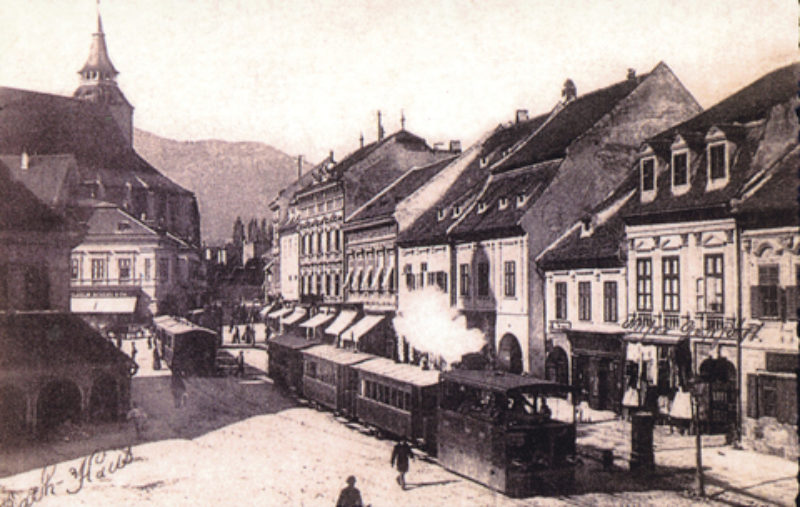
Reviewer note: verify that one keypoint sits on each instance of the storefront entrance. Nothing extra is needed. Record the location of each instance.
(718, 395)
(510, 354)
(597, 369)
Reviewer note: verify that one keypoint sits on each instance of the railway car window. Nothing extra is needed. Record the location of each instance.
(312, 369)
(407, 400)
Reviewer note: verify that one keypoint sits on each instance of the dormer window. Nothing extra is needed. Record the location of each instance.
(648, 168)
(440, 214)
(717, 153)
(484, 162)
(123, 226)
(716, 162)
(521, 198)
(502, 203)
(481, 207)
(680, 169)
(456, 211)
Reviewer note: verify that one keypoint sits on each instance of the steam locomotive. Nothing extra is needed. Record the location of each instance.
(493, 427)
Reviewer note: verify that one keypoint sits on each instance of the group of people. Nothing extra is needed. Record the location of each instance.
(248, 337)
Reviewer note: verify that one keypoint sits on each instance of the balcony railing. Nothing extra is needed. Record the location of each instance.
(109, 282)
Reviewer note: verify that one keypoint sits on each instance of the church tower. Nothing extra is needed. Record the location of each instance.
(99, 85)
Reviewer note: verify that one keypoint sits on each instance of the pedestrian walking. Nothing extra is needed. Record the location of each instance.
(178, 388)
(350, 496)
(149, 341)
(156, 359)
(119, 341)
(133, 351)
(400, 455)
(139, 418)
(236, 338)
(240, 364)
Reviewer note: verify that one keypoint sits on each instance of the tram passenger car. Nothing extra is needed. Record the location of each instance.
(285, 362)
(329, 379)
(494, 428)
(186, 347)
(399, 399)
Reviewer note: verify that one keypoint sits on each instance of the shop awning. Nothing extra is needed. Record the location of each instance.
(317, 320)
(264, 311)
(362, 327)
(347, 279)
(103, 305)
(280, 312)
(342, 321)
(295, 316)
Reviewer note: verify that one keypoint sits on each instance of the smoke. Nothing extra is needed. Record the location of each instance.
(430, 324)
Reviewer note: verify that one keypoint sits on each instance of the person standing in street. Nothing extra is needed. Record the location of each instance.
(133, 351)
(400, 455)
(178, 388)
(350, 496)
(139, 418)
(240, 364)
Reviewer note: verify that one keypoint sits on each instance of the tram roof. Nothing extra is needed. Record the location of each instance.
(504, 381)
(178, 326)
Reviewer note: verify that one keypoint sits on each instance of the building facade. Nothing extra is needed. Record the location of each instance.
(125, 272)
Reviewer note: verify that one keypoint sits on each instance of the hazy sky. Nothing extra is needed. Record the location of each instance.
(308, 76)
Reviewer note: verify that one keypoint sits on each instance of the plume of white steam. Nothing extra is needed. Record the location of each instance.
(430, 324)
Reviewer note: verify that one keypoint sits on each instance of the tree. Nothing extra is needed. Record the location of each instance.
(238, 232)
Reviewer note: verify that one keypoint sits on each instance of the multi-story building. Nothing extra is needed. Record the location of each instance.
(703, 238)
(53, 367)
(371, 252)
(125, 272)
(538, 177)
(71, 139)
(585, 296)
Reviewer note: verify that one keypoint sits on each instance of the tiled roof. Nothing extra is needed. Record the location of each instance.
(44, 339)
(21, 210)
(601, 248)
(749, 104)
(427, 228)
(760, 122)
(576, 117)
(45, 124)
(487, 217)
(384, 203)
(773, 201)
(50, 177)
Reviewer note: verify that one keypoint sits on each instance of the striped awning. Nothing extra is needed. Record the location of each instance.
(362, 327)
(317, 320)
(280, 312)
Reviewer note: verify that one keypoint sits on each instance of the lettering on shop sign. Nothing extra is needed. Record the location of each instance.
(689, 330)
(99, 465)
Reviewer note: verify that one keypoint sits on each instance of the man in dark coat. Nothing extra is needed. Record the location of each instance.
(400, 454)
(350, 496)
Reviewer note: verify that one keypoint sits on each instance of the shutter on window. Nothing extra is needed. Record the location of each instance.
(791, 302)
(787, 400)
(755, 302)
(782, 304)
(752, 396)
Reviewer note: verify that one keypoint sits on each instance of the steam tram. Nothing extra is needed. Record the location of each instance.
(492, 427)
(186, 347)
(497, 429)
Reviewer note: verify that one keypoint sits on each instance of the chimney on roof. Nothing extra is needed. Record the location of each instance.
(299, 166)
(380, 127)
(522, 115)
(455, 146)
(631, 74)
(569, 92)
(361, 139)
(330, 156)
(24, 161)
(402, 120)
(438, 146)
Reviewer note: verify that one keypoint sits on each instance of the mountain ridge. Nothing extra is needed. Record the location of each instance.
(229, 178)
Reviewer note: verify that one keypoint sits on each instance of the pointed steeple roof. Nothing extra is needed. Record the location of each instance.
(98, 54)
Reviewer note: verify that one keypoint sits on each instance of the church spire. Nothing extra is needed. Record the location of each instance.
(99, 84)
(98, 66)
